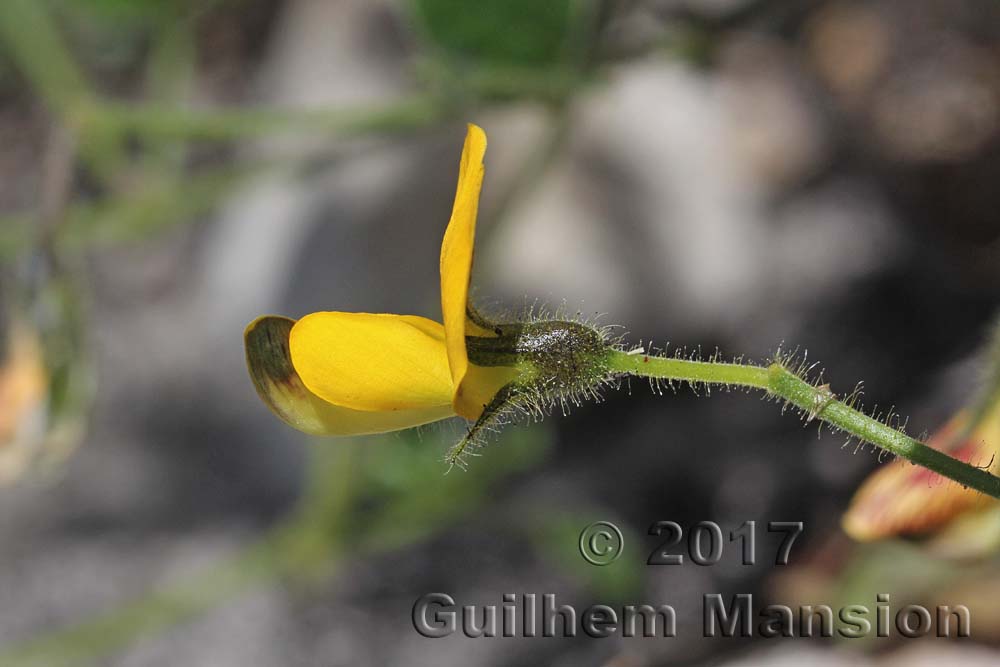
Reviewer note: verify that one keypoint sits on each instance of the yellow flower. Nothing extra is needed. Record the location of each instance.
(351, 373)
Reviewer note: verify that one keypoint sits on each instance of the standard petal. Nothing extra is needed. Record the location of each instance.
(372, 362)
(283, 391)
(456, 264)
(481, 384)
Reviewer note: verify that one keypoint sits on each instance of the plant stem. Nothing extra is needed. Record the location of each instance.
(816, 402)
(161, 121)
(35, 46)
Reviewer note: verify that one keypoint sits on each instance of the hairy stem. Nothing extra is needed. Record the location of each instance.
(816, 402)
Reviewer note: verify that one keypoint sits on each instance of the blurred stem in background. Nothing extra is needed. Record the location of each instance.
(361, 499)
(161, 194)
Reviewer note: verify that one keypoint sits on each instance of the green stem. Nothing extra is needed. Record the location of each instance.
(816, 402)
(222, 124)
(33, 42)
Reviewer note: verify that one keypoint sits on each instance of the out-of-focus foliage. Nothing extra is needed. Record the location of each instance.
(362, 498)
(46, 379)
(406, 493)
(133, 7)
(499, 32)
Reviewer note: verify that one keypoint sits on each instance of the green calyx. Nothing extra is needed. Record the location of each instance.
(558, 363)
(557, 352)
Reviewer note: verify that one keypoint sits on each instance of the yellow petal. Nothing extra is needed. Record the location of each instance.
(481, 384)
(904, 499)
(283, 391)
(456, 266)
(372, 362)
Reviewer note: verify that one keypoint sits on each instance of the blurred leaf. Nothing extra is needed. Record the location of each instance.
(129, 9)
(411, 492)
(906, 572)
(557, 535)
(60, 309)
(971, 535)
(891, 567)
(154, 206)
(499, 32)
(109, 36)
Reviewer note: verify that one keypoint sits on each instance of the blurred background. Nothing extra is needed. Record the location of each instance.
(737, 174)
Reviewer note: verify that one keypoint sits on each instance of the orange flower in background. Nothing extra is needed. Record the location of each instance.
(904, 499)
(23, 400)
